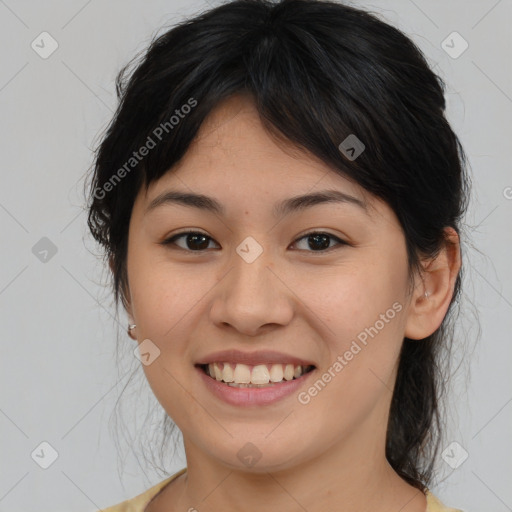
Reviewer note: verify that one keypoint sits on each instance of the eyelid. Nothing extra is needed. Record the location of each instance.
(340, 242)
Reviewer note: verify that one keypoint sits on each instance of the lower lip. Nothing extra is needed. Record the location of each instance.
(252, 396)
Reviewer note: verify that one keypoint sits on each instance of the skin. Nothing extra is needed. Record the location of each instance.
(330, 453)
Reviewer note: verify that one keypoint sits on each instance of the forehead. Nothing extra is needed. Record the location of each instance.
(236, 160)
(232, 147)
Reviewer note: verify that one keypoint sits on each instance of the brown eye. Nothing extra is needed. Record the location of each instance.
(319, 241)
(195, 241)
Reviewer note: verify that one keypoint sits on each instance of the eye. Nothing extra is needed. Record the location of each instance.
(195, 241)
(320, 241)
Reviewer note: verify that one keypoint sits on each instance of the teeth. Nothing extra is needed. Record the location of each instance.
(217, 371)
(242, 374)
(276, 373)
(288, 372)
(227, 373)
(259, 375)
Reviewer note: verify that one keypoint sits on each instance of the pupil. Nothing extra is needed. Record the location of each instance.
(194, 239)
(323, 245)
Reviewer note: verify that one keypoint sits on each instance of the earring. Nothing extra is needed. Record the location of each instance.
(129, 330)
(427, 294)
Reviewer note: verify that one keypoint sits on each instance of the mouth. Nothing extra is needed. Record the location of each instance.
(239, 375)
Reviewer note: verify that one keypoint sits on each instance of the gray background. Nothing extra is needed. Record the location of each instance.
(58, 375)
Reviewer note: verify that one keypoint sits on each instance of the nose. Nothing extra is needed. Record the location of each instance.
(252, 297)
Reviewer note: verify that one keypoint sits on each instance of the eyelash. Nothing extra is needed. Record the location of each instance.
(171, 240)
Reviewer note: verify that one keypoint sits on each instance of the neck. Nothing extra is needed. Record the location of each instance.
(330, 481)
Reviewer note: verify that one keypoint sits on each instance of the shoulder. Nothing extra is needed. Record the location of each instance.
(434, 504)
(139, 502)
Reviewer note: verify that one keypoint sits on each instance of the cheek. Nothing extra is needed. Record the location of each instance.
(348, 301)
(163, 293)
(362, 349)
(361, 316)
(166, 301)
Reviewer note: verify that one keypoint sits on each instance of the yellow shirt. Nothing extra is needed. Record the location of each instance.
(138, 503)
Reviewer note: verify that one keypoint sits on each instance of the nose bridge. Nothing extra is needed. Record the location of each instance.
(251, 295)
(251, 278)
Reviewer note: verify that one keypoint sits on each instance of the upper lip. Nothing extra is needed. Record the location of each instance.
(252, 358)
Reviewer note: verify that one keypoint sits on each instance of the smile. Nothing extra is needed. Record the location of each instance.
(261, 375)
(289, 379)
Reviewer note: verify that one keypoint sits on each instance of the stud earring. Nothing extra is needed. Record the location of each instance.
(129, 330)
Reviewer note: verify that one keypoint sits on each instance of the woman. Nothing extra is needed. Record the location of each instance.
(279, 196)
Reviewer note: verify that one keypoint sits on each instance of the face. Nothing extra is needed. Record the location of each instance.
(252, 278)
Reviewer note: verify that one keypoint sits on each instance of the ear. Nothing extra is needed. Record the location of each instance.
(125, 299)
(426, 313)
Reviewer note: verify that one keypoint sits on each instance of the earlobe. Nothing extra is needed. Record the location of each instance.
(130, 331)
(434, 289)
(126, 299)
(131, 322)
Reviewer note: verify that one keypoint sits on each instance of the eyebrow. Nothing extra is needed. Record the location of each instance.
(292, 204)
